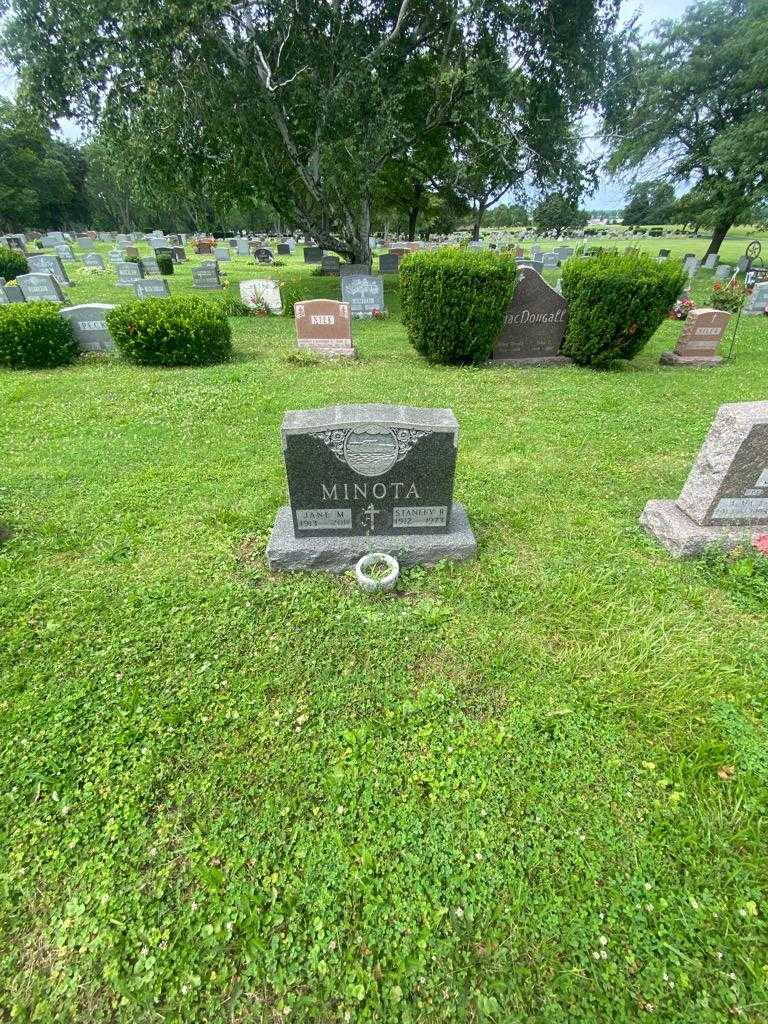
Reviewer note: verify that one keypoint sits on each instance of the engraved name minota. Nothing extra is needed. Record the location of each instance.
(351, 492)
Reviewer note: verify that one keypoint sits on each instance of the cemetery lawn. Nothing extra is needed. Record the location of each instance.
(529, 788)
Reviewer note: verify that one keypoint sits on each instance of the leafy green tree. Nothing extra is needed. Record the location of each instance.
(693, 103)
(557, 212)
(507, 215)
(298, 103)
(650, 202)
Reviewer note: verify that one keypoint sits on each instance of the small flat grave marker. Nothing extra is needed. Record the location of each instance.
(324, 326)
(364, 293)
(369, 478)
(40, 288)
(89, 326)
(724, 502)
(157, 288)
(699, 340)
(534, 325)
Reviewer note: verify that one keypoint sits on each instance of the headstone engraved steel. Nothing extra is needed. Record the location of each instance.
(369, 478)
(89, 326)
(40, 288)
(699, 339)
(364, 293)
(324, 326)
(534, 324)
(724, 501)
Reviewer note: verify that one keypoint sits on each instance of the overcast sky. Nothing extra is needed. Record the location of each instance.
(610, 195)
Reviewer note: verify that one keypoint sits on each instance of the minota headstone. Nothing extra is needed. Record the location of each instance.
(262, 291)
(699, 339)
(364, 293)
(40, 288)
(724, 502)
(365, 478)
(324, 326)
(534, 324)
(156, 288)
(89, 326)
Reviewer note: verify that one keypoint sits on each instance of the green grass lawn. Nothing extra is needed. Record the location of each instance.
(494, 795)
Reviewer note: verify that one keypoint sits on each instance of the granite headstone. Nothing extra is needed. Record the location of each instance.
(699, 339)
(89, 326)
(40, 288)
(534, 325)
(324, 326)
(154, 288)
(364, 293)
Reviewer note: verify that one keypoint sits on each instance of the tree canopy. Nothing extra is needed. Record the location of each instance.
(301, 103)
(650, 202)
(692, 105)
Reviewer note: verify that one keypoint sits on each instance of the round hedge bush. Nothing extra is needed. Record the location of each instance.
(183, 331)
(33, 336)
(12, 263)
(615, 304)
(454, 301)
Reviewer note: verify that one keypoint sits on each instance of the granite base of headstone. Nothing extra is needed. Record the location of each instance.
(534, 324)
(724, 502)
(699, 339)
(367, 478)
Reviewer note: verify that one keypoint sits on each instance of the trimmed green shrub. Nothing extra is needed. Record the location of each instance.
(182, 331)
(454, 301)
(291, 292)
(12, 263)
(615, 303)
(164, 264)
(33, 336)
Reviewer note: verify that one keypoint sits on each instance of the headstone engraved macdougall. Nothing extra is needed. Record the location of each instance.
(369, 477)
(534, 324)
(724, 501)
(699, 339)
(324, 326)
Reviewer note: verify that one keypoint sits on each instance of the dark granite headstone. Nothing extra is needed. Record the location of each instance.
(389, 263)
(534, 325)
(263, 255)
(178, 254)
(364, 293)
(152, 289)
(283, 249)
(40, 288)
(206, 277)
(312, 254)
(330, 265)
(369, 477)
(89, 326)
(664, 254)
(128, 274)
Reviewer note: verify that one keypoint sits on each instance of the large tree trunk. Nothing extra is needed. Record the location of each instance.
(718, 236)
(478, 220)
(413, 216)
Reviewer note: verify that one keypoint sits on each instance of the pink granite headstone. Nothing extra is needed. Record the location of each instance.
(324, 326)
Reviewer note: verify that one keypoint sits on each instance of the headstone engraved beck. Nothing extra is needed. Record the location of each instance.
(699, 339)
(534, 325)
(724, 502)
(152, 289)
(324, 326)
(89, 326)
(40, 288)
(369, 478)
(128, 274)
(364, 293)
(262, 290)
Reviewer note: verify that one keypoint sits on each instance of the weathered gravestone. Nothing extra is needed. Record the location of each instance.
(664, 254)
(550, 260)
(354, 270)
(312, 254)
(94, 260)
(242, 247)
(324, 326)
(263, 255)
(755, 275)
(178, 254)
(330, 265)
(711, 261)
(536, 265)
(128, 274)
(203, 248)
(221, 252)
(534, 325)
(40, 288)
(85, 244)
(699, 339)
(723, 271)
(149, 265)
(131, 252)
(725, 500)
(206, 277)
(758, 300)
(364, 293)
(157, 288)
(13, 293)
(283, 249)
(45, 263)
(117, 256)
(262, 291)
(365, 478)
(389, 263)
(89, 326)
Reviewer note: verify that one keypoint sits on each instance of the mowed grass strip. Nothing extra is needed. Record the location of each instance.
(528, 788)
